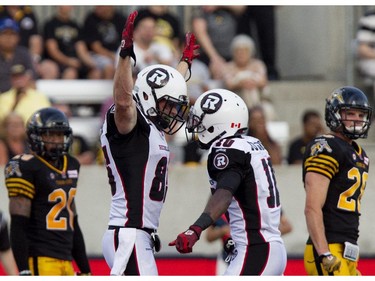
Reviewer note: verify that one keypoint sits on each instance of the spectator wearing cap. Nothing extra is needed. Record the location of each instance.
(11, 53)
(21, 98)
(28, 24)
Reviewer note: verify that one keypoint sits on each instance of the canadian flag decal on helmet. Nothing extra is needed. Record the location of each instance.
(235, 125)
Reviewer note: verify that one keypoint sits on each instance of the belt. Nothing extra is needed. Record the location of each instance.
(148, 230)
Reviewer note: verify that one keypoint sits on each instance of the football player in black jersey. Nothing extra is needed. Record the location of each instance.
(335, 171)
(137, 154)
(243, 187)
(45, 235)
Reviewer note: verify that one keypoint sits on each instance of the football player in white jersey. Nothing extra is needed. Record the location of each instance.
(243, 186)
(137, 154)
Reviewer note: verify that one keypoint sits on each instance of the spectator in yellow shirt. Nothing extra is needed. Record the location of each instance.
(21, 98)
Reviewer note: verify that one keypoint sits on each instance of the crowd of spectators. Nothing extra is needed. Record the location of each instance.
(60, 46)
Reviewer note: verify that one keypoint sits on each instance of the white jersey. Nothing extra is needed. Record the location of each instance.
(137, 172)
(254, 213)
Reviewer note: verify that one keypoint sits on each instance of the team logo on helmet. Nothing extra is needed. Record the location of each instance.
(211, 103)
(221, 161)
(157, 78)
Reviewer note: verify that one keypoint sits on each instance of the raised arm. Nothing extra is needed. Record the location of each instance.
(189, 53)
(125, 113)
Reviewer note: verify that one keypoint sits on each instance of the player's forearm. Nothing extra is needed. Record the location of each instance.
(123, 82)
(19, 242)
(182, 67)
(79, 249)
(315, 226)
(218, 203)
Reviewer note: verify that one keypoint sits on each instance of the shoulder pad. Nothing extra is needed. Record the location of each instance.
(26, 157)
(327, 136)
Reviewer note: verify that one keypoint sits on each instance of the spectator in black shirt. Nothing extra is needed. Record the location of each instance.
(312, 126)
(102, 33)
(65, 46)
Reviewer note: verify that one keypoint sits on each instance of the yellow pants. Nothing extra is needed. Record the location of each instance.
(50, 266)
(314, 267)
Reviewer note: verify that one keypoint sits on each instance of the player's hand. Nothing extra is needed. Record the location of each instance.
(127, 43)
(190, 51)
(186, 240)
(229, 245)
(330, 262)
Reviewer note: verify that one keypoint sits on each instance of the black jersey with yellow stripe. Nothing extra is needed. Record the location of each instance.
(347, 166)
(52, 192)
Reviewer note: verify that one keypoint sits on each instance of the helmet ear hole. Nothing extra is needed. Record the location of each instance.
(211, 129)
(145, 96)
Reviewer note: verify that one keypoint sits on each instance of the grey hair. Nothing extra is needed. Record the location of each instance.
(243, 40)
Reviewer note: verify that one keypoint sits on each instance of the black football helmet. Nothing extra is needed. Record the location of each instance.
(346, 98)
(44, 121)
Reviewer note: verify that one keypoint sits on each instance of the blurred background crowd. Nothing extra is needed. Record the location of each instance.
(50, 55)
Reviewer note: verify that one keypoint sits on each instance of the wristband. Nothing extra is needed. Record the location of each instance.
(128, 52)
(204, 221)
(322, 256)
(187, 60)
(189, 67)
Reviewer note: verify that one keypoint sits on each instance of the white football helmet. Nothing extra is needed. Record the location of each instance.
(216, 114)
(161, 93)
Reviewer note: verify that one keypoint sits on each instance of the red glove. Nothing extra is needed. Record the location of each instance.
(190, 52)
(127, 48)
(186, 240)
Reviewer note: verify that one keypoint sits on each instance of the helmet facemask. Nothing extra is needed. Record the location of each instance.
(195, 128)
(357, 129)
(170, 113)
(194, 125)
(56, 149)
